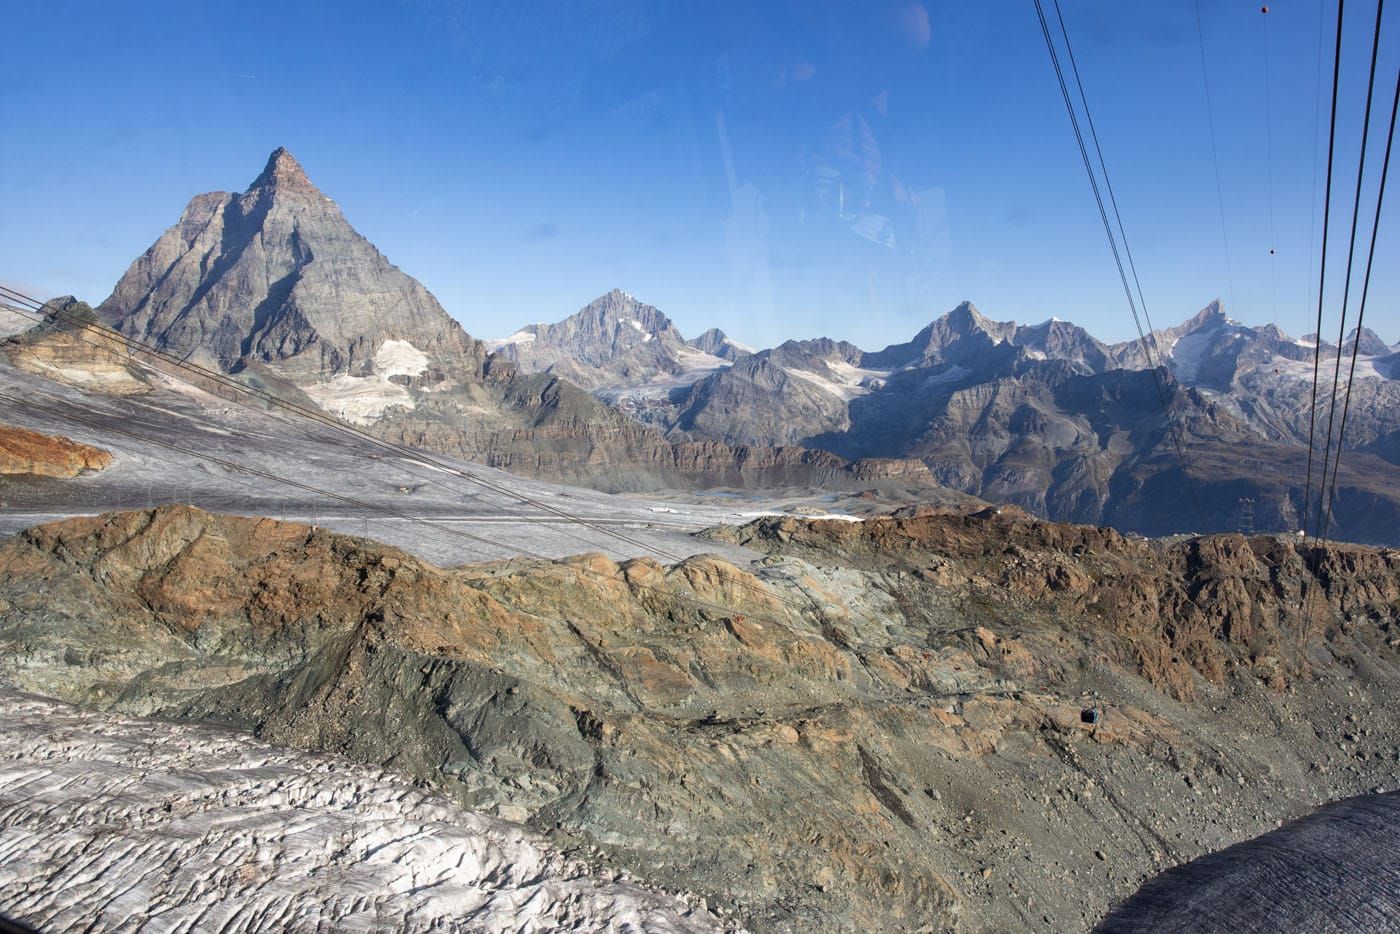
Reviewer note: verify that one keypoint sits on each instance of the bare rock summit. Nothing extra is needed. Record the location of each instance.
(277, 277)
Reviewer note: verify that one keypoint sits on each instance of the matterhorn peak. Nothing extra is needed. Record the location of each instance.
(283, 171)
(276, 276)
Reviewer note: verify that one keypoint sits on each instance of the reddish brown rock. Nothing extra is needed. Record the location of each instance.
(28, 452)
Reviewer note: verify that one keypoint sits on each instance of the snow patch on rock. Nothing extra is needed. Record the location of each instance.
(845, 380)
(359, 399)
(1366, 368)
(12, 322)
(523, 336)
(399, 358)
(1187, 354)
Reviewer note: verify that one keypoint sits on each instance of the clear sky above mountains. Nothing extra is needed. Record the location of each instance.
(776, 169)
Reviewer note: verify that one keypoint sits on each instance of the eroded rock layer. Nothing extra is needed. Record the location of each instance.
(879, 725)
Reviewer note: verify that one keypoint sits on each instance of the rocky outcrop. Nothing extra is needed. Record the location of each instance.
(1184, 611)
(74, 348)
(877, 725)
(31, 453)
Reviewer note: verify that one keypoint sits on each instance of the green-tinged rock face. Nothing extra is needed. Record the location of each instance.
(879, 726)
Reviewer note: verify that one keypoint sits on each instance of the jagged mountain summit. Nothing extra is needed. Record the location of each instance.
(276, 276)
(609, 327)
(620, 348)
(1264, 377)
(614, 340)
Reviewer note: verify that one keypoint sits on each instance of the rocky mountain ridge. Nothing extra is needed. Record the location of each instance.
(274, 286)
(1054, 420)
(878, 723)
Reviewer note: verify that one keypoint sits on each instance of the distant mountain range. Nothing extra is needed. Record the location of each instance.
(1045, 416)
(274, 285)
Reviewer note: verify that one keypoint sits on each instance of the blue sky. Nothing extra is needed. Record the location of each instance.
(776, 169)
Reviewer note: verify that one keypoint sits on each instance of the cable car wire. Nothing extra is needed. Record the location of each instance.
(1322, 271)
(1361, 307)
(1351, 253)
(1118, 259)
(1108, 185)
(1269, 166)
(1215, 154)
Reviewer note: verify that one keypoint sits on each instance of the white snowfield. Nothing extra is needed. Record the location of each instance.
(399, 358)
(362, 399)
(695, 365)
(116, 823)
(523, 336)
(359, 399)
(845, 381)
(12, 322)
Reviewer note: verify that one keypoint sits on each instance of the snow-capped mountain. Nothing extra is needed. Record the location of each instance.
(1264, 377)
(276, 277)
(624, 350)
(1044, 415)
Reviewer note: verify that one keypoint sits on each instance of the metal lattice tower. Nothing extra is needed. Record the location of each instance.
(1246, 516)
